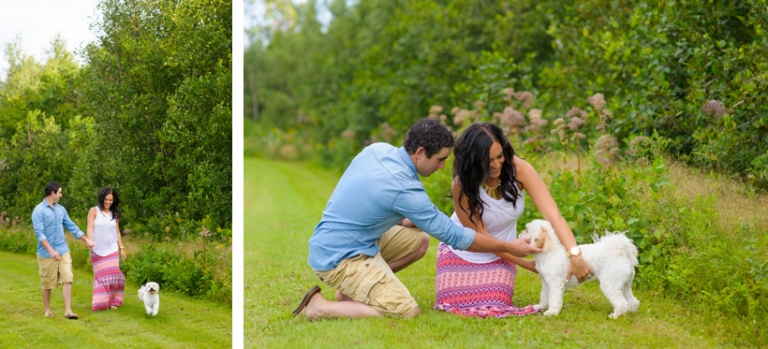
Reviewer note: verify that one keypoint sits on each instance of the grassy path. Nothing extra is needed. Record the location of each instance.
(181, 323)
(283, 203)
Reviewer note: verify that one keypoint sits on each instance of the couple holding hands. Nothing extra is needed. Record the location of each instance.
(102, 238)
(379, 218)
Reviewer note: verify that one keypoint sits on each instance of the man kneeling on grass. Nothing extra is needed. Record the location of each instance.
(357, 248)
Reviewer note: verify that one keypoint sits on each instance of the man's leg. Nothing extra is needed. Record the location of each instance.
(47, 301)
(66, 291)
(399, 264)
(48, 270)
(412, 257)
(319, 308)
(66, 277)
(400, 246)
(373, 290)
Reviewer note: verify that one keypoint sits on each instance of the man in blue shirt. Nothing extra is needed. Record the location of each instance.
(48, 219)
(357, 246)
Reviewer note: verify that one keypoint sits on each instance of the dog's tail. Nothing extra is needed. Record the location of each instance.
(620, 244)
(141, 292)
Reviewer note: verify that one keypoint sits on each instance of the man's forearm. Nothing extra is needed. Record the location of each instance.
(486, 243)
(47, 246)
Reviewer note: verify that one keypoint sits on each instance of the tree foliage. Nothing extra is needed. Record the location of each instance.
(149, 113)
(387, 62)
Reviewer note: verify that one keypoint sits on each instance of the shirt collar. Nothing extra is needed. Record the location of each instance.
(45, 203)
(407, 160)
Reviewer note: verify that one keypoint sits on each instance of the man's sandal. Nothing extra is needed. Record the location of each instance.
(305, 301)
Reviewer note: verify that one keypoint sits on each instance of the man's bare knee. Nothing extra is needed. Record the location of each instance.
(422, 250)
(412, 314)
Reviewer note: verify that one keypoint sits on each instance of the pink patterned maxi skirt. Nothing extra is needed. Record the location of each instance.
(108, 281)
(476, 289)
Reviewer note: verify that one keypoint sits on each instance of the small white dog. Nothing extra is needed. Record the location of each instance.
(148, 293)
(613, 258)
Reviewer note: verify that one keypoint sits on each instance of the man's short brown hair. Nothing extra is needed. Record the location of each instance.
(430, 134)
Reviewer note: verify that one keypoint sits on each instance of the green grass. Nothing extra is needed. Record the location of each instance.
(182, 322)
(284, 202)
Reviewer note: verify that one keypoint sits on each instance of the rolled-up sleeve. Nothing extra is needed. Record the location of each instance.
(71, 226)
(38, 223)
(414, 204)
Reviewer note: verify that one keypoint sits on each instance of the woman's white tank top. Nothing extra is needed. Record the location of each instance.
(104, 233)
(500, 218)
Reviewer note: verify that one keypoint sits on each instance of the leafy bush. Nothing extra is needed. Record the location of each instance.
(195, 276)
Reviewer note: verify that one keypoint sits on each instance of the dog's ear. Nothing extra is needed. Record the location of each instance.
(544, 242)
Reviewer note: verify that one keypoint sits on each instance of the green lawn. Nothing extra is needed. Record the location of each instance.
(283, 203)
(182, 322)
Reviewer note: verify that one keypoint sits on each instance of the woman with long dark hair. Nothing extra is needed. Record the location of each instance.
(104, 230)
(487, 190)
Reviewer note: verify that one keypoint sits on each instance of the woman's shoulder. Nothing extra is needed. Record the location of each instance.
(522, 166)
(456, 184)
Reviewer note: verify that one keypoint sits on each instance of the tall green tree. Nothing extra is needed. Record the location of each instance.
(159, 88)
(31, 85)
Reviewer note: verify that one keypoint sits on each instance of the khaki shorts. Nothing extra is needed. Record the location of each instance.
(54, 273)
(369, 280)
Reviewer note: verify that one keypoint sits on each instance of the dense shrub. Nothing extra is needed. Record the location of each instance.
(692, 70)
(194, 276)
(660, 62)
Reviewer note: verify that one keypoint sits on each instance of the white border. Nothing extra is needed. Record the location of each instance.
(237, 173)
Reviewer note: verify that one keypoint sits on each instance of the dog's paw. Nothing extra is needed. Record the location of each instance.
(551, 312)
(633, 305)
(538, 307)
(618, 312)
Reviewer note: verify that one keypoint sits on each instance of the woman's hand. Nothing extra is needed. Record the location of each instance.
(122, 253)
(579, 268)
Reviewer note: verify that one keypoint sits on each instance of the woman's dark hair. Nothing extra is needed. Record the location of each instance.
(430, 134)
(472, 165)
(115, 208)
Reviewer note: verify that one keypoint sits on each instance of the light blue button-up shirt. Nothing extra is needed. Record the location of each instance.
(47, 222)
(379, 188)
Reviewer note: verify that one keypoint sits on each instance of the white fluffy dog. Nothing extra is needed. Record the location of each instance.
(613, 258)
(148, 293)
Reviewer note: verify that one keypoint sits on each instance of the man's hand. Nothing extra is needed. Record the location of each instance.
(579, 268)
(521, 248)
(407, 223)
(54, 254)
